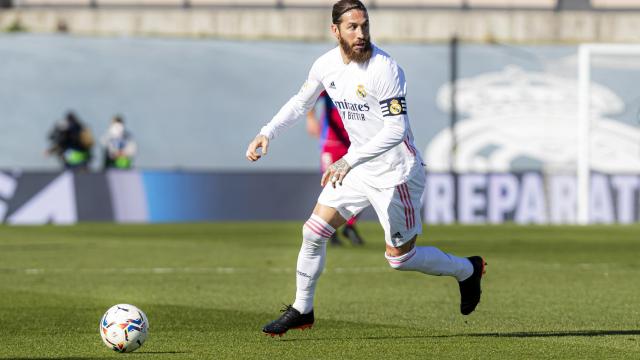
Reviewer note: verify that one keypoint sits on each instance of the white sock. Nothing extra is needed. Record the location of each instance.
(432, 261)
(311, 258)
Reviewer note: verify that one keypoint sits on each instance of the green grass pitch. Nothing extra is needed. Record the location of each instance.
(549, 293)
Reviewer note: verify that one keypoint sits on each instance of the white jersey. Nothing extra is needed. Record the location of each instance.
(371, 99)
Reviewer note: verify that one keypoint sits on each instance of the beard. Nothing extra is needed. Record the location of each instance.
(358, 56)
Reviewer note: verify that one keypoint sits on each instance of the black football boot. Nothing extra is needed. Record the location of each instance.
(290, 319)
(470, 289)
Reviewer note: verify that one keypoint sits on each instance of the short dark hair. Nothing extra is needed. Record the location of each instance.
(343, 6)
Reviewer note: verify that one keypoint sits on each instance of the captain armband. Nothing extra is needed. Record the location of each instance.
(393, 106)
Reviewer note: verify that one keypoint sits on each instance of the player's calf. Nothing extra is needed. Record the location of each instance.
(315, 234)
(433, 261)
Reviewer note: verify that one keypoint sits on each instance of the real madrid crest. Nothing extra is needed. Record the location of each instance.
(361, 92)
(395, 107)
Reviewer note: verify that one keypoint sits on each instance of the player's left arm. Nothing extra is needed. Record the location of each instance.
(390, 88)
(393, 132)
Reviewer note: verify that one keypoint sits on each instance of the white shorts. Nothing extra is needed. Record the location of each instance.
(398, 208)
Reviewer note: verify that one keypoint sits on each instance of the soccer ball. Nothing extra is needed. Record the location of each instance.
(124, 327)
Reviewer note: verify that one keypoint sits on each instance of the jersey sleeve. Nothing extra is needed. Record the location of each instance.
(389, 87)
(297, 106)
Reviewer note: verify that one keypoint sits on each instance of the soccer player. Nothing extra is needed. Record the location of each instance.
(334, 143)
(382, 167)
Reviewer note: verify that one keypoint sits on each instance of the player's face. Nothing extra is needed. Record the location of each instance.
(353, 35)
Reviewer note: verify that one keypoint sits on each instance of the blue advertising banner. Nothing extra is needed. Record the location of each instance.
(164, 196)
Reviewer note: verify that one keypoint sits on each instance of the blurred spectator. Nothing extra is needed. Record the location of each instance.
(71, 141)
(119, 147)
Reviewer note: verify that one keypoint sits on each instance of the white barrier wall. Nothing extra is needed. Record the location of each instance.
(513, 26)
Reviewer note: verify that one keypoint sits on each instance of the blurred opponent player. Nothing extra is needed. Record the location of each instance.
(324, 122)
(382, 168)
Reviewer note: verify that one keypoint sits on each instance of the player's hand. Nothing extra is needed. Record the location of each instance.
(335, 173)
(260, 141)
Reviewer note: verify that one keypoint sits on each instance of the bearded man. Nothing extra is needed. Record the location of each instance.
(382, 167)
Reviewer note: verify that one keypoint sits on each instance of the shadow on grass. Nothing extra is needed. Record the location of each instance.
(55, 358)
(526, 334)
(523, 334)
(139, 353)
(160, 352)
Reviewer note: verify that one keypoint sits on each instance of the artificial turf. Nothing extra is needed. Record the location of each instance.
(549, 293)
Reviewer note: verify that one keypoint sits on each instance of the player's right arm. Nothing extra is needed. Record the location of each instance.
(297, 107)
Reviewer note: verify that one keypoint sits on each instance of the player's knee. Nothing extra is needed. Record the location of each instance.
(396, 265)
(402, 262)
(312, 237)
(316, 231)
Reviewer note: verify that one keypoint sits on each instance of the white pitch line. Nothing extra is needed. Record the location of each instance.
(208, 270)
(186, 270)
(226, 270)
(221, 270)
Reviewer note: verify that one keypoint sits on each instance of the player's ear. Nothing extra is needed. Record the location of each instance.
(336, 31)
